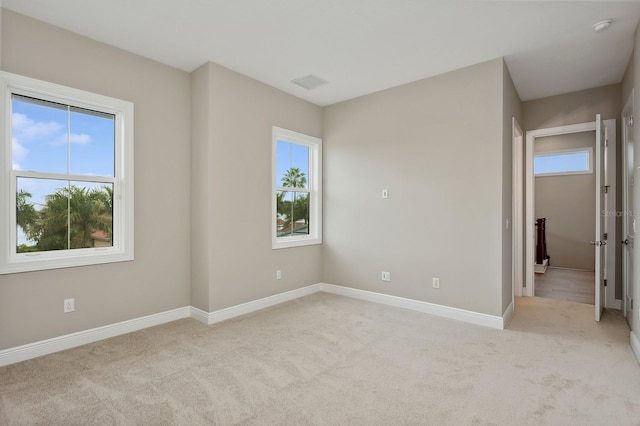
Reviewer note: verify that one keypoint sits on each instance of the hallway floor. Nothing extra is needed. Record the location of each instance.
(570, 285)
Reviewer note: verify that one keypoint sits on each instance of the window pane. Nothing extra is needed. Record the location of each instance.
(91, 142)
(39, 135)
(57, 215)
(566, 162)
(42, 214)
(293, 213)
(91, 215)
(292, 165)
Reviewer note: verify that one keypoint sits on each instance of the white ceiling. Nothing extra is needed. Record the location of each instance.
(362, 46)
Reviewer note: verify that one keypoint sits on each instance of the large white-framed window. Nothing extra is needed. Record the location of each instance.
(66, 177)
(296, 189)
(564, 162)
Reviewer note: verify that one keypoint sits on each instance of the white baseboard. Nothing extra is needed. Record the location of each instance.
(68, 341)
(255, 305)
(199, 314)
(507, 316)
(635, 345)
(417, 305)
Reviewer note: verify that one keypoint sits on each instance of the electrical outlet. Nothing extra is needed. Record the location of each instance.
(278, 274)
(69, 305)
(386, 276)
(436, 282)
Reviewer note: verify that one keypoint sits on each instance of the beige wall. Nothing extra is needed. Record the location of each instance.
(437, 146)
(627, 80)
(1, 10)
(201, 196)
(572, 108)
(236, 264)
(158, 279)
(627, 87)
(635, 293)
(567, 202)
(512, 108)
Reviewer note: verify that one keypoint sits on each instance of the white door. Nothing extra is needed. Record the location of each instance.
(599, 242)
(629, 219)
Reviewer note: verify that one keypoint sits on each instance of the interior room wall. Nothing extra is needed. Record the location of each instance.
(582, 107)
(233, 262)
(572, 108)
(627, 80)
(1, 10)
(567, 202)
(437, 146)
(627, 86)
(633, 319)
(158, 279)
(200, 208)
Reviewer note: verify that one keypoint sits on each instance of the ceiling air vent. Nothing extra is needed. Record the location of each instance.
(309, 82)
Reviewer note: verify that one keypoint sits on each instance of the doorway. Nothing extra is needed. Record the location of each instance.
(565, 178)
(605, 255)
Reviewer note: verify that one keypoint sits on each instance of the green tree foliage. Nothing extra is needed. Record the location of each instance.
(68, 218)
(297, 209)
(25, 212)
(294, 178)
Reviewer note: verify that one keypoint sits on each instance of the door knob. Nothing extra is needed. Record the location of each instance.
(598, 243)
(625, 241)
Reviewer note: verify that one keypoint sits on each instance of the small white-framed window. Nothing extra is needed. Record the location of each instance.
(565, 162)
(66, 180)
(296, 189)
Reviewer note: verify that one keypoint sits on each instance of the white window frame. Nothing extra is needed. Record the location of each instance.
(588, 150)
(123, 217)
(314, 181)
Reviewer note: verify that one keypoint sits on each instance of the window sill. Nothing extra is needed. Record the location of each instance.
(32, 263)
(283, 243)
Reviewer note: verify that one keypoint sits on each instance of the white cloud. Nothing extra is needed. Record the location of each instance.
(81, 139)
(19, 152)
(26, 129)
(74, 138)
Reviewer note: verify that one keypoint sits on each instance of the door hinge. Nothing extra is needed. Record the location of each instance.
(605, 189)
(606, 143)
(605, 235)
(605, 282)
(631, 120)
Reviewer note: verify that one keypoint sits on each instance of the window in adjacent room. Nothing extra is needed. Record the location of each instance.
(67, 177)
(577, 161)
(296, 192)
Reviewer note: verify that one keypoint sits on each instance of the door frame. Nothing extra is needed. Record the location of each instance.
(517, 204)
(529, 226)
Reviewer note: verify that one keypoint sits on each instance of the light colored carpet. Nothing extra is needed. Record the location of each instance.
(331, 360)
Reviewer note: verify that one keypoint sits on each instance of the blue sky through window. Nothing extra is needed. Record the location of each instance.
(562, 162)
(290, 155)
